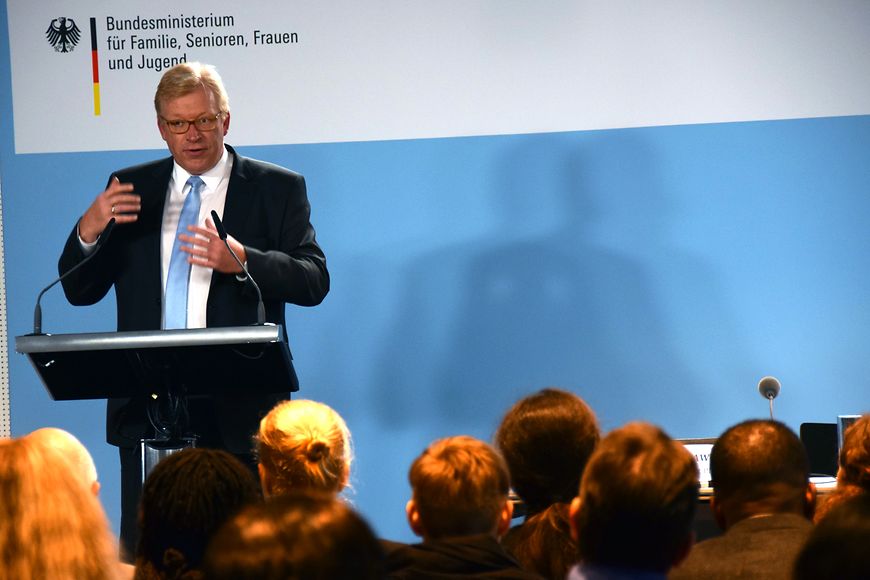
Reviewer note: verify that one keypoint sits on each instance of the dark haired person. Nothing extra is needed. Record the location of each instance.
(546, 439)
(170, 270)
(187, 497)
(763, 500)
(460, 507)
(633, 516)
(853, 475)
(301, 534)
(837, 549)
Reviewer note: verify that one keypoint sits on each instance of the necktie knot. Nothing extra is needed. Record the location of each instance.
(195, 182)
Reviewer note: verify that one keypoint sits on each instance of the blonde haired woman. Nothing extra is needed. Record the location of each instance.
(51, 523)
(303, 444)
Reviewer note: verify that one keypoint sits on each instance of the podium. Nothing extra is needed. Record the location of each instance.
(163, 365)
(190, 362)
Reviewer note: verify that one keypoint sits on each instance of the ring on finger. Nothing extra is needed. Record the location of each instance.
(113, 210)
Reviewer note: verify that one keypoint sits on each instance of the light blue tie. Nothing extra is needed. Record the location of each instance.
(179, 270)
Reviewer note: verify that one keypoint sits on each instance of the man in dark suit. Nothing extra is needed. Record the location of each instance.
(164, 237)
(763, 500)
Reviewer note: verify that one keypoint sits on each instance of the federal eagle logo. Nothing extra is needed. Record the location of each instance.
(63, 34)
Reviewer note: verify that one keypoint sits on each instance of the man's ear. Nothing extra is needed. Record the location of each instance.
(95, 488)
(573, 512)
(810, 501)
(414, 518)
(505, 516)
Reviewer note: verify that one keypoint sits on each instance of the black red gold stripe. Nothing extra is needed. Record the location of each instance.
(95, 65)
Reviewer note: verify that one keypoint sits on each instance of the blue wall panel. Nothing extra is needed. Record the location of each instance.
(658, 272)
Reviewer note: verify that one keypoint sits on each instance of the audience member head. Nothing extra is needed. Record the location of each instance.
(185, 499)
(459, 488)
(70, 447)
(546, 439)
(837, 546)
(759, 467)
(637, 501)
(51, 523)
(853, 476)
(300, 535)
(855, 455)
(187, 77)
(303, 445)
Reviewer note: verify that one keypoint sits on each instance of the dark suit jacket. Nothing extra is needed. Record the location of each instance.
(763, 547)
(267, 211)
(478, 556)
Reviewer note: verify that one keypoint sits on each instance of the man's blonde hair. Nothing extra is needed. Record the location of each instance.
(460, 485)
(185, 78)
(304, 444)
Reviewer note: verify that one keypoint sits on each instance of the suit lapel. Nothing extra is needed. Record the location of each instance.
(153, 200)
(238, 204)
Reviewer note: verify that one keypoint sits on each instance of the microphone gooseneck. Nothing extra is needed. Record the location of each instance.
(222, 234)
(101, 240)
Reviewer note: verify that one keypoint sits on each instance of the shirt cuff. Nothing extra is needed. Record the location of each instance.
(88, 247)
(241, 277)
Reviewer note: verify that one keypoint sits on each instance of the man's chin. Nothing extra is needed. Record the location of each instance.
(195, 164)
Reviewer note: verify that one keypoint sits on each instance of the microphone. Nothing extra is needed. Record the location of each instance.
(101, 240)
(769, 388)
(222, 234)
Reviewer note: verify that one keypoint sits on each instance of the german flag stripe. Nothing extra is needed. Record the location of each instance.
(95, 66)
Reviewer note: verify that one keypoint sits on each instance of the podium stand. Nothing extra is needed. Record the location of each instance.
(162, 364)
(198, 361)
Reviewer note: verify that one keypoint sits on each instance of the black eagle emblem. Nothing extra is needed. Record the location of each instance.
(63, 34)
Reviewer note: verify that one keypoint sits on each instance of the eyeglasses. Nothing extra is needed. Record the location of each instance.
(180, 126)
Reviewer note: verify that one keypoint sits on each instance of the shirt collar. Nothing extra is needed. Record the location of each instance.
(212, 177)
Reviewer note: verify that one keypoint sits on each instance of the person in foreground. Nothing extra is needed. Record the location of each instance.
(187, 497)
(81, 461)
(633, 515)
(546, 439)
(302, 445)
(51, 522)
(460, 508)
(839, 546)
(70, 447)
(170, 270)
(853, 474)
(762, 498)
(305, 535)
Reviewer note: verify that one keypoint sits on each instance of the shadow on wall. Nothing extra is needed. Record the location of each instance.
(575, 286)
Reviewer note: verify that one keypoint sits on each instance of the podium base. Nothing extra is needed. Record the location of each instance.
(153, 451)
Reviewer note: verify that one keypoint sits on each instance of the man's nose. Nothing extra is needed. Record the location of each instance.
(193, 134)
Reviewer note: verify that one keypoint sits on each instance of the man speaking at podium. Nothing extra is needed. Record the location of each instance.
(171, 270)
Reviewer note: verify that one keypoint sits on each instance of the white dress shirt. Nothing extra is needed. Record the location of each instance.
(213, 197)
